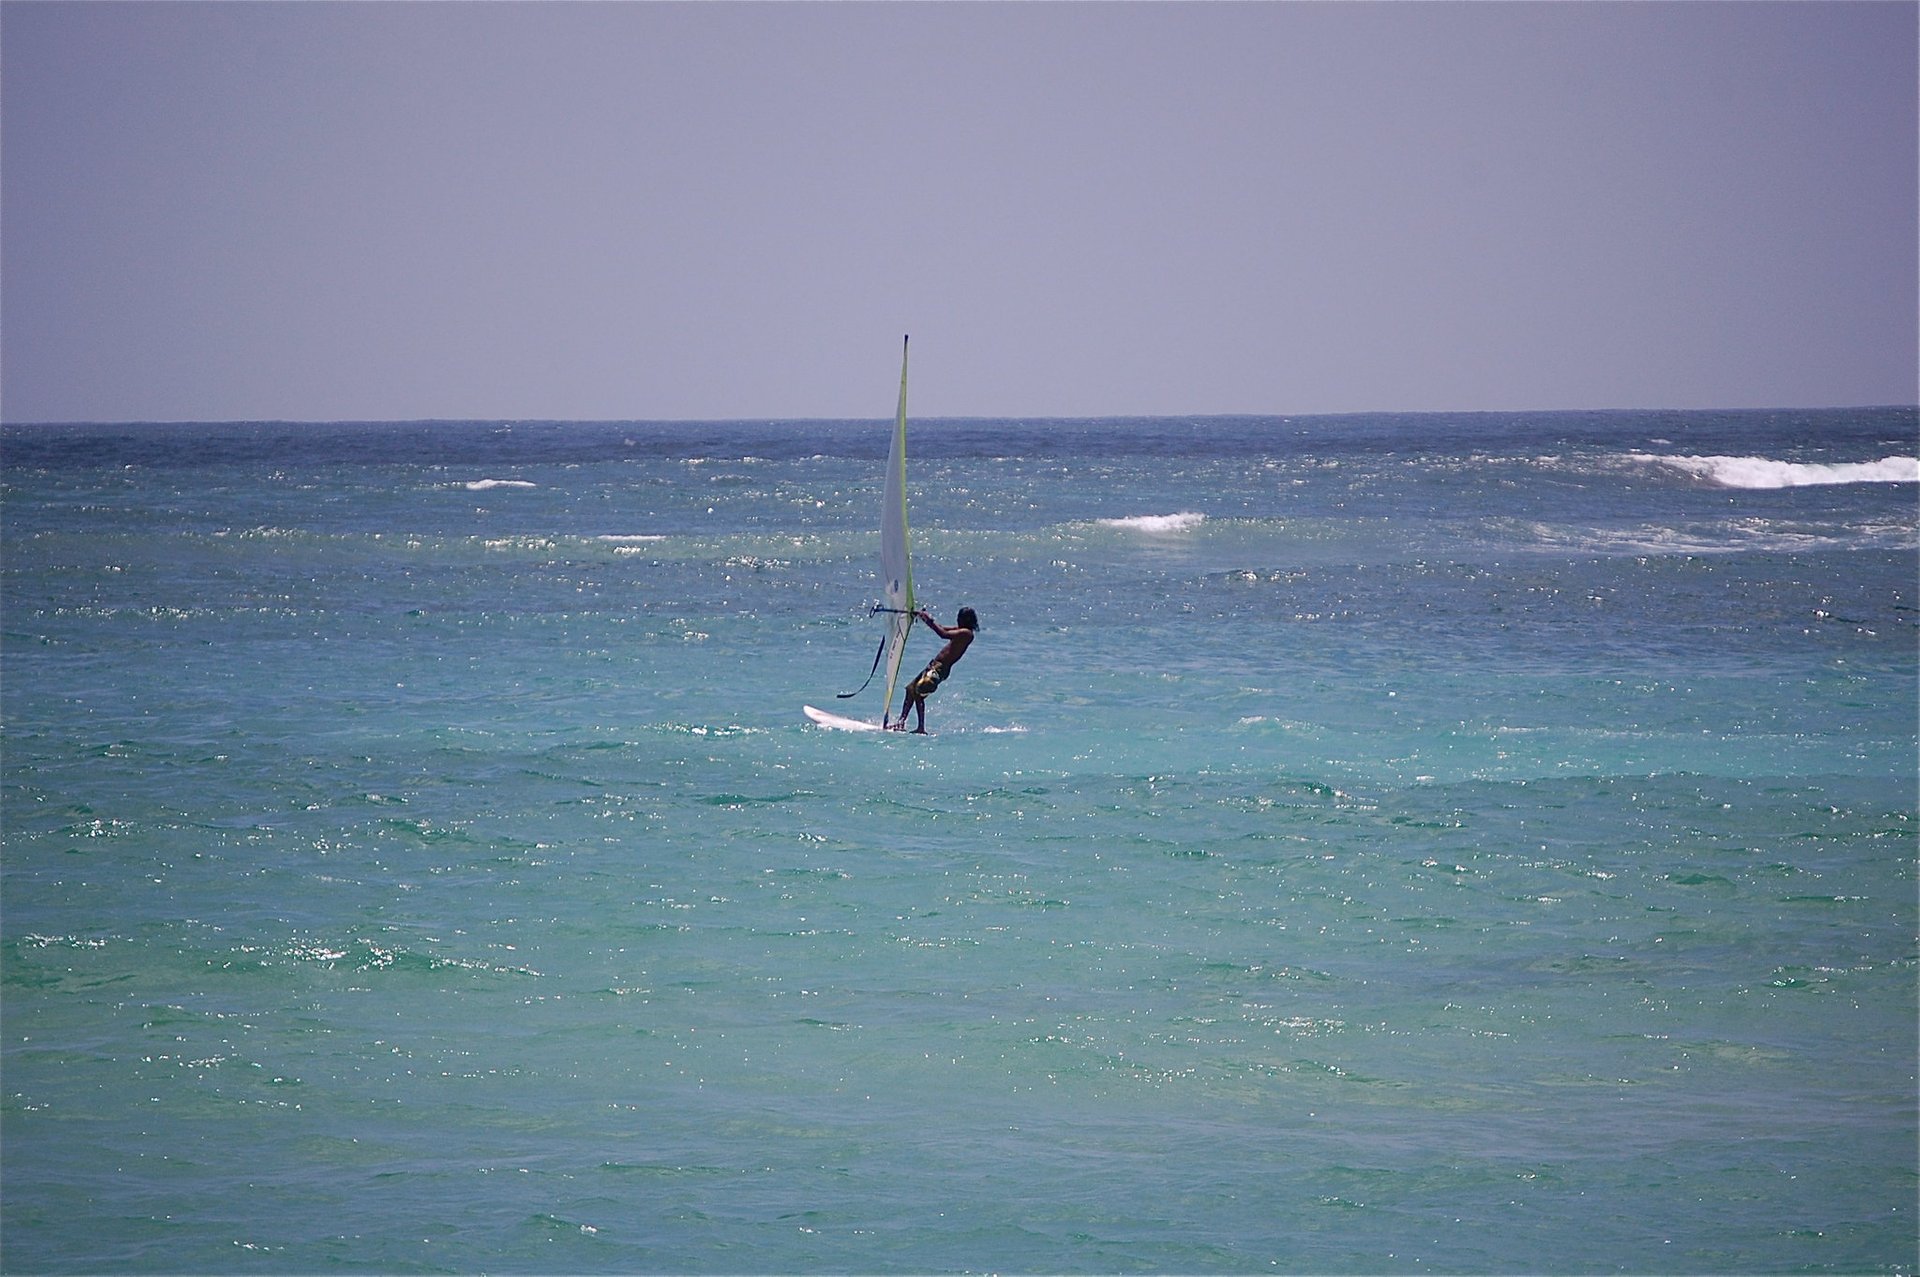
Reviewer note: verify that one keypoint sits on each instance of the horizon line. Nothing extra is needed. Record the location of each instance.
(1022, 418)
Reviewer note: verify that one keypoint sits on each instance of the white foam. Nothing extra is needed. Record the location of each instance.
(1764, 472)
(1158, 522)
(625, 538)
(482, 485)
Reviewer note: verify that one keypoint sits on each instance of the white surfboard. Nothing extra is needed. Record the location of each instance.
(839, 724)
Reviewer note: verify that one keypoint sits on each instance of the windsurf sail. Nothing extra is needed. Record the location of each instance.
(896, 569)
(896, 564)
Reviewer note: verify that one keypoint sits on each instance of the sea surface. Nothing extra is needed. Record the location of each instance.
(1366, 844)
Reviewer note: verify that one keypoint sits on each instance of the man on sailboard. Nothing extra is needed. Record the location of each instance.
(958, 636)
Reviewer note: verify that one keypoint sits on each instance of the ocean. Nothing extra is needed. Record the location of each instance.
(1361, 844)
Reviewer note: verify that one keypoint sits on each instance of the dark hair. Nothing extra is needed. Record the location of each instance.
(968, 621)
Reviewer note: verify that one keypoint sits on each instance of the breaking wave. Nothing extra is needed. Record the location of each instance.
(1158, 522)
(1764, 472)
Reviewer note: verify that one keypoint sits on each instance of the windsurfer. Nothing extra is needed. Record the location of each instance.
(958, 636)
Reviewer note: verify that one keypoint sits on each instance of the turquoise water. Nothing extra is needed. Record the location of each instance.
(1369, 844)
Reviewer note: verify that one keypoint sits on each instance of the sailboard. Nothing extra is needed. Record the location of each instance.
(896, 576)
(839, 722)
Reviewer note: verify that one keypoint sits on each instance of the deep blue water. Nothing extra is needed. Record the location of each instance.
(1359, 844)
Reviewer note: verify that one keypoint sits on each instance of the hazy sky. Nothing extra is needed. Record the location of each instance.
(651, 210)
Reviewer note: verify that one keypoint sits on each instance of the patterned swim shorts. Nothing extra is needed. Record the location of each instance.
(929, 679)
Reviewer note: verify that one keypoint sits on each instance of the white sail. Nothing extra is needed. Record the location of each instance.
(896, 565)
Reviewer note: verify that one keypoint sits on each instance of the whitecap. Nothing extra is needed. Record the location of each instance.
(1764, 472)
(482, 485)
(1158, 522)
